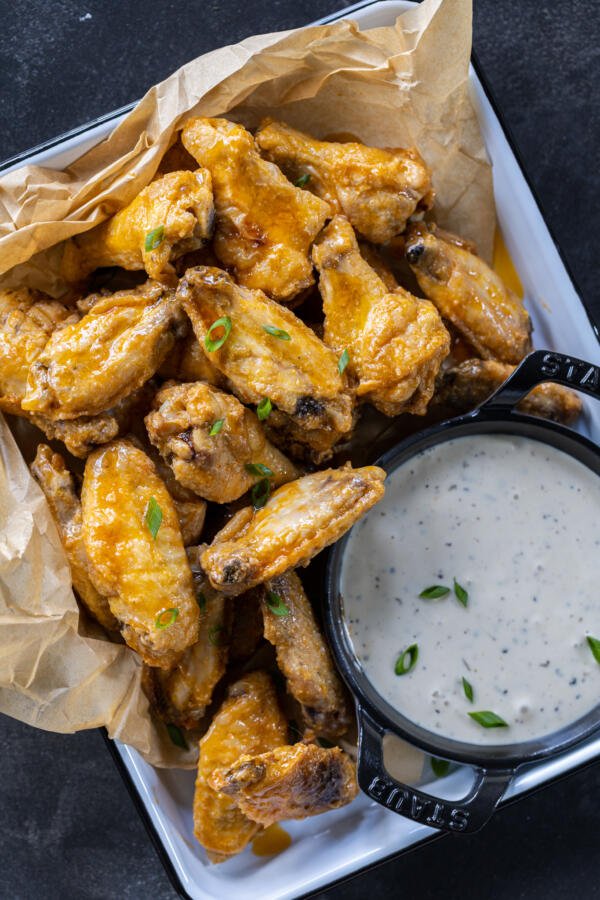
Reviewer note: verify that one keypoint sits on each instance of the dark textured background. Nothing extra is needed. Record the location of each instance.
(67, 826)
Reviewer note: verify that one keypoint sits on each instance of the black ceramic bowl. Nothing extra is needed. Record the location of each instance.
(494, 765)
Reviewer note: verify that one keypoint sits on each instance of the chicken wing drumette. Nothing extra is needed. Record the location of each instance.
(378, 190)
(395, 342)
(173, 215)
(469, 294)
(265, 225)
(133, 542)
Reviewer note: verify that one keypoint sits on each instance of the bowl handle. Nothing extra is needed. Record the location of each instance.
(540, 366)
(466, 815)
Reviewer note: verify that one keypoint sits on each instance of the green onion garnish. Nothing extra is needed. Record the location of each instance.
(176, 735)
(343, 361)
(166, 617)
(214, 636)
(407, 660)
(468, 689)
(277, 332)
(434, 592)
(225, 323)
(461, 595)
(154, 238)
(439, 767)
(216, 427)
(260, 493)
(201, 599)
(488, 719)
(303, 180)
(258, 469)
(263, 410)
(594, 645)
(276, 604)
(153, 517)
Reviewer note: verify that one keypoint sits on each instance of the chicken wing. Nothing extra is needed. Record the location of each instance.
(303, 656)
(187, 361)
(171, 216)
(395, 342)
(134, 545)
(265, 225)
(212, 442)
(249, 721)
(299, 520)
(89, 366)
(468, 384)
(289, 782)
(470, 295)
(378, 190)
(57, 483)
(269, 352)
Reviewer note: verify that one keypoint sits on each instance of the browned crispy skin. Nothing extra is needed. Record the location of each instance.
(290, 782)
(395, 342)
(304, 659)
(187, 361)
(57, 483)
(265, 225)
(179, 203)
(468, 384)
(247, 624)
(299, 375)
(212, 465)
(249, 721)
(91, 365)
(470, 295)
(146, 578)
(299, 520)
(378, 190)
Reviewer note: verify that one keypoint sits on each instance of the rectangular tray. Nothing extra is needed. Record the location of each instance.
(339, 844)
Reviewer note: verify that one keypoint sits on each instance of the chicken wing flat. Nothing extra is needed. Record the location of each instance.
(249, 721)
(299, 520)
(378, 190)
(187, 361)
(57, 483)
(133, 541)
(89, 366)
(171, 216)
(303, 656)
(269, 352)
(290, 782)
(212, 442)
(265, 225)
(470, 295)
(468, 384)
(395, 342)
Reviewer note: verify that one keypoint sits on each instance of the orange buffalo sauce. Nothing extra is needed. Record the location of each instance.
(504, 266)
(271, 841)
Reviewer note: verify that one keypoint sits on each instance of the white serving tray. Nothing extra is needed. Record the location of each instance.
(338, 844)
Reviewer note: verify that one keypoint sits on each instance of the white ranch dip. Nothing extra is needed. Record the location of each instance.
(515, 522)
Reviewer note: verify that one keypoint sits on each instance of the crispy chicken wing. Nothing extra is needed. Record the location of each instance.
(299, 520)
(269, 352)
(303, 656)
(249, 721)
(265, 225)
(168, 218)
(187, 361)
(57, 483)
(211, 442)
(134, 545)
(468, 384)
(289, 782)
(378, 190)
(89, 366)
(470, 295)
(396, 343)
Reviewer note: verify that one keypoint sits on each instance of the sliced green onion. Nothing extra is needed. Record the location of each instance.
(461, 595)
(276, 604)
(407, 660)
(488, 719)
(468, 689)
(439, 767)
(201, 600)
(258, 469)
(225, 323)
(263, 410)
(214, 636)
(153, 517)
(154, 238)
(343, 361)
(434, 592)
(176, 735)
(302, 181)
(166, 617)
(277, 332)
(594, 645)
(216, 427)
(260, 493)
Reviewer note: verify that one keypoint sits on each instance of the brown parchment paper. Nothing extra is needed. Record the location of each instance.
(404, 85)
